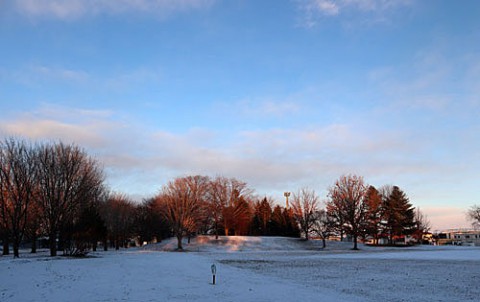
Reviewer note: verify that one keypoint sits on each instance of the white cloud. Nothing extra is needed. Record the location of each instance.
(314, 10)
(327, 7)
(63, 74)
(139, 160)
(73, 9)
(85, 127)
(39, 74)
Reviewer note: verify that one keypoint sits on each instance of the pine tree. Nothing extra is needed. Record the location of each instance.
(373, 201)
(398, 214)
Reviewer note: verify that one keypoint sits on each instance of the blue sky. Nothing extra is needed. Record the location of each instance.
(280, 94)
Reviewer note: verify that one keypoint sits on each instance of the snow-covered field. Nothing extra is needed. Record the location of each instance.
(248, 269)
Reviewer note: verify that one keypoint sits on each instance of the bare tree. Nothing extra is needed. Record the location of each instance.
(473, 214)
(150, 225)
(323, 225)
(304, 206)
(347, 200)
(119, 214)
(236, 212)
(17, 186)
(34, 226)
(182, 201)
(422, 225)
(228, 205)
(67, 176)
(218, 197)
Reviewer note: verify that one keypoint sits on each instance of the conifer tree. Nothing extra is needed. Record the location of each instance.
(398, 214)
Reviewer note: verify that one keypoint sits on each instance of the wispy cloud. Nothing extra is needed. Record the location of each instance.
(62, 74)
(85, 127)
(314, 10)
(267, 108)
(74, 9)
(444, 218)
(139, 160)
(34, 75)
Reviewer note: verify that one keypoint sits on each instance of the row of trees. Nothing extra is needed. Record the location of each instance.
(43, 188)
(220, 206)
(57, 191)
(360, 211)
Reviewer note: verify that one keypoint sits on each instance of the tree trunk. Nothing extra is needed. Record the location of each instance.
(324, 242)
(53, 245)
(355, 247)
(6, 247)
(16, 253)
(105, 244)
(179, 242)
(94, 245)
(34, 244)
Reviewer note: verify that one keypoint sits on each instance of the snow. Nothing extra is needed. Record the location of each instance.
(248, 269)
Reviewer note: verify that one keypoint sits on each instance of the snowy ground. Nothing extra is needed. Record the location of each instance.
(248, 269)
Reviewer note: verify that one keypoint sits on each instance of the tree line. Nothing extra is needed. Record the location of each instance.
(57, 192)
(221, 206)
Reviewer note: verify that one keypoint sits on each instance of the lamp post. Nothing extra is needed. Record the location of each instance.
(286, 194)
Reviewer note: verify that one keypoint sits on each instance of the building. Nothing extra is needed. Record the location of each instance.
(471, 238)
(458, 237)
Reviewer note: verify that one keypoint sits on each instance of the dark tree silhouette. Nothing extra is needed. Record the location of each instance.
(119, 214)
(347, 202)
(67, 177)
(17, 187)
(398, 214)
(373, 200)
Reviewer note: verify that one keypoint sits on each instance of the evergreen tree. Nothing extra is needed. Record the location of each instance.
(278, 223)
(261, 222)
(373, 200)
(291, 226)
(398, 214)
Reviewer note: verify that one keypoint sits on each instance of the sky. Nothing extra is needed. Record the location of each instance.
(281, 94)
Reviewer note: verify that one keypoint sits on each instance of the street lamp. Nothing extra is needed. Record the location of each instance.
(286, 194)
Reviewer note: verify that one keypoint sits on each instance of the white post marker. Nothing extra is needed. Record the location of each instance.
(214, 272)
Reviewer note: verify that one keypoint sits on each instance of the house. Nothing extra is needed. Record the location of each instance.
(471, 238)
(458, 237)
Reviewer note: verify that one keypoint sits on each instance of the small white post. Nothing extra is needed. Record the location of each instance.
(214, 272)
